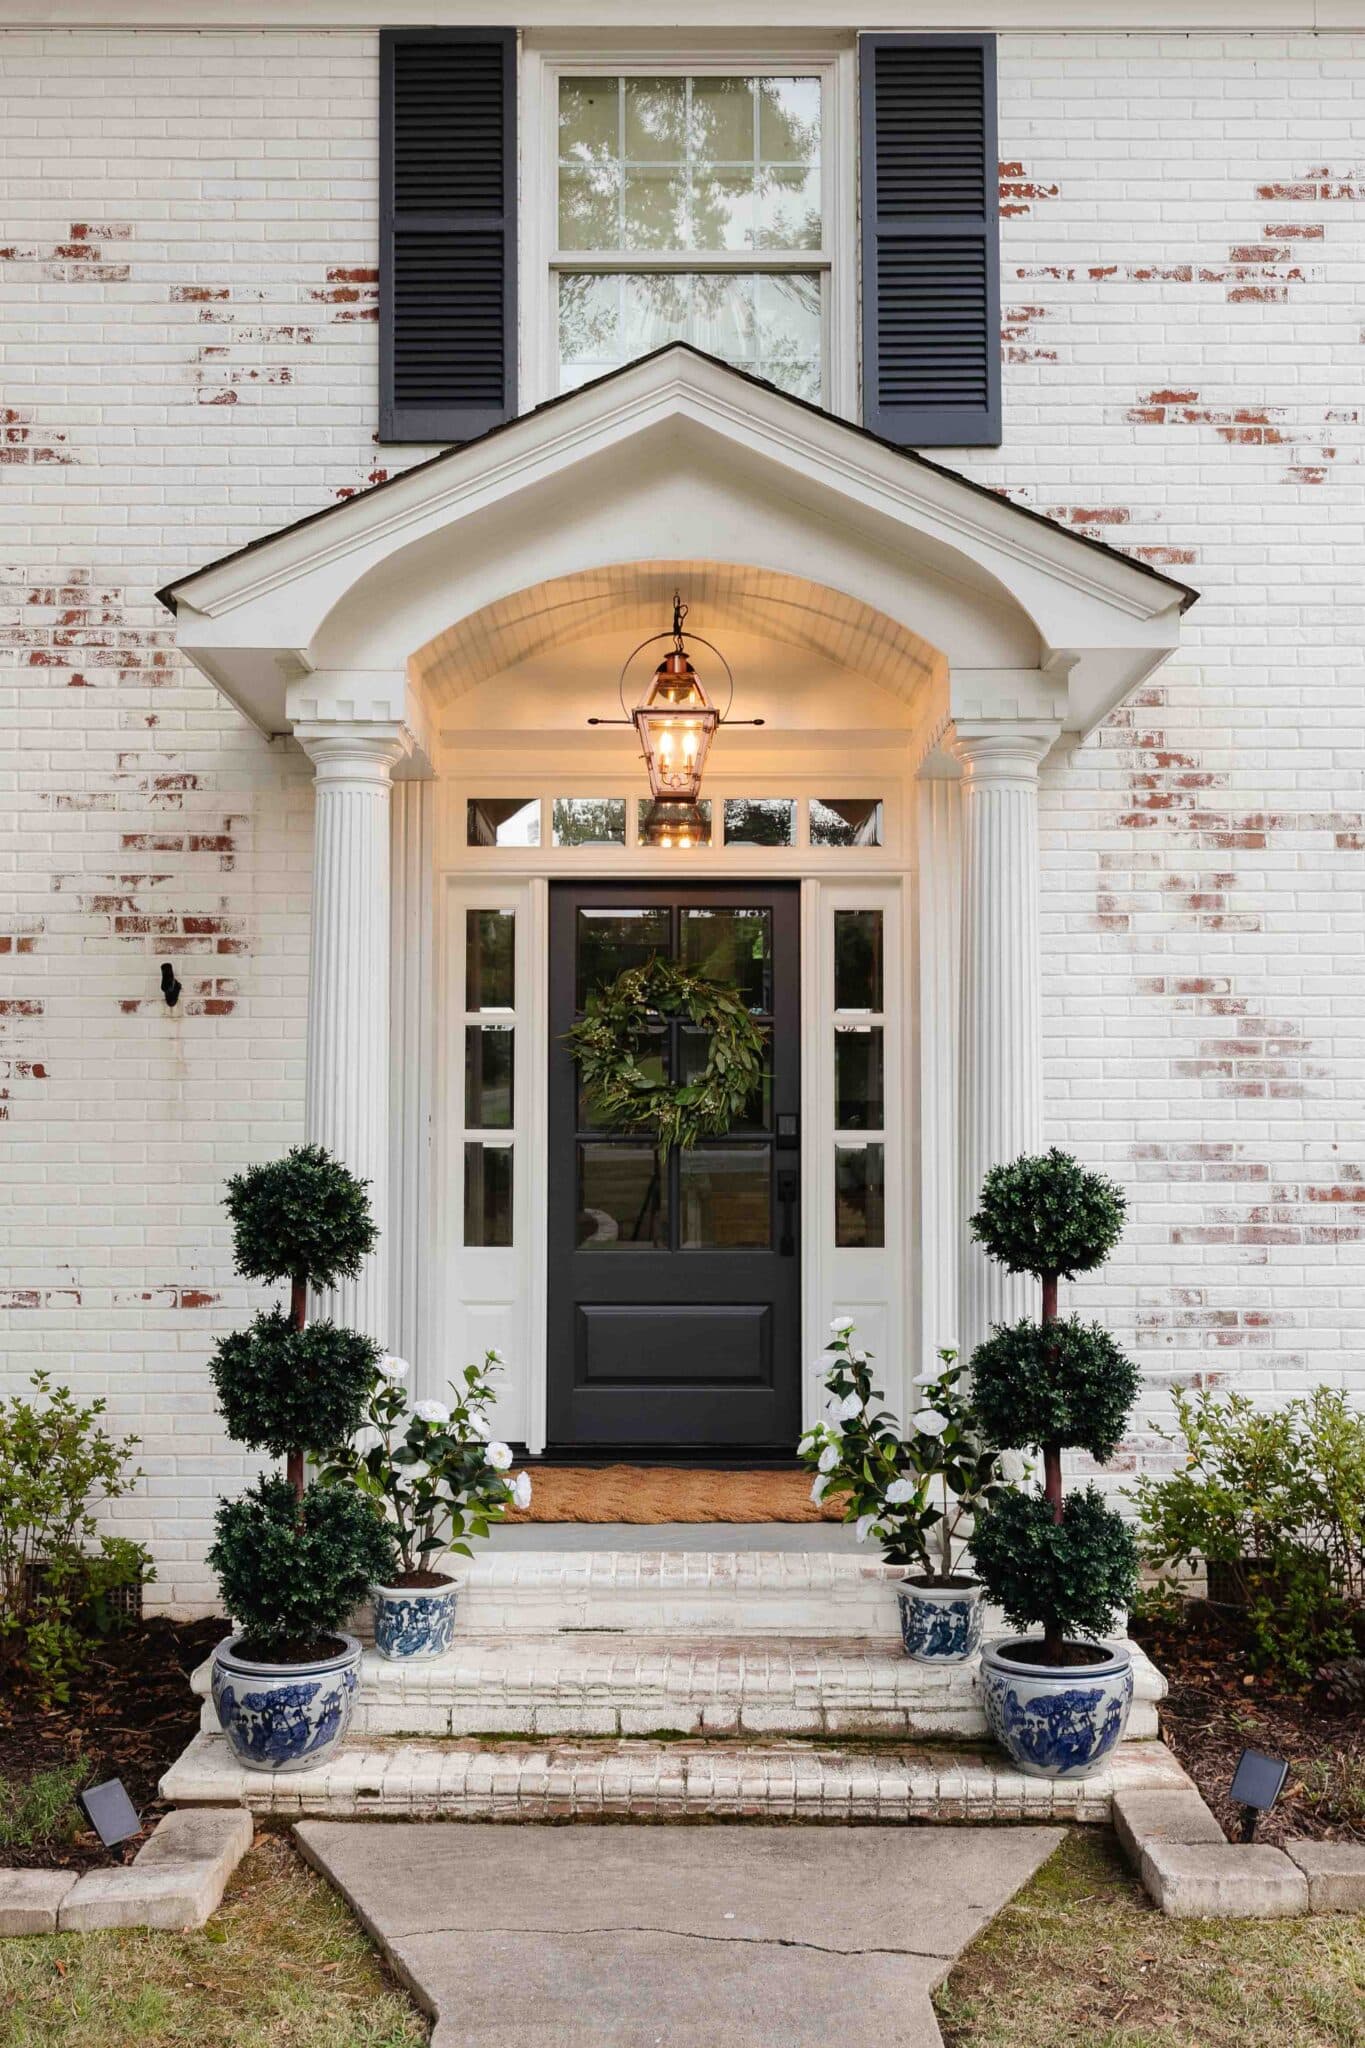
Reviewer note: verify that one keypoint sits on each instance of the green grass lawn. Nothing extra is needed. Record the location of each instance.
(1078, 1958)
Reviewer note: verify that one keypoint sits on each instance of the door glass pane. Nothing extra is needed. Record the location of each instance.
(622, 1199)
(724, 1197)
(488, 1077)
(609, 941)
(487, 1194)
(693, 1047)
(858, 960)
(845, 821)
(652, 1058)
(760, 821)
(588, 821)
(859, 1195)
(858, 1077)
(490, 959)
(502, 821)
(734, 946)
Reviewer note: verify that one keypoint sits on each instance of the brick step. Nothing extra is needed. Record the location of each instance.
(585, 1780)
(607, 1684)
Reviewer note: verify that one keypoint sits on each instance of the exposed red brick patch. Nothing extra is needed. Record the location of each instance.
(1019, 193)
(22, 440)
(352, 291)
(1319, 183)
(79, 260)
(376, 476)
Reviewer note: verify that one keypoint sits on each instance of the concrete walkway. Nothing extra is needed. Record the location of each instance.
(674, 1937)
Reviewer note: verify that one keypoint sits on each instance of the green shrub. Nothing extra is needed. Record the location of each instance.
(291, 1570)
(1277, 1495)
(57, 1466)
(303, 1217)
(279, 1386)
(1067, 1564)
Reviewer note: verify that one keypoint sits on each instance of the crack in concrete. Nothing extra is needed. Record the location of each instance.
(927, 1955)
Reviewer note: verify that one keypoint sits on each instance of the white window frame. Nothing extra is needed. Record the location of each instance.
(541, 260)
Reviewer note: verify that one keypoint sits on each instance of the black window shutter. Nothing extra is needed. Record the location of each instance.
(931, 255)
(447, 232)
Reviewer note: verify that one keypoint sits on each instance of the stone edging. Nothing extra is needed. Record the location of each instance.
(1193, 1872)
(173, 1883)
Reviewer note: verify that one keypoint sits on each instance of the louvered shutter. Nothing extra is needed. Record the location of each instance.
(447, 247)
(931, 261)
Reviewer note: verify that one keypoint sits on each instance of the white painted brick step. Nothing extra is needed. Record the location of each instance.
(607, 1684)
(664, 1781)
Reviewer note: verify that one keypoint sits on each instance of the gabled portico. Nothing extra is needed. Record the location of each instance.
(902, 631)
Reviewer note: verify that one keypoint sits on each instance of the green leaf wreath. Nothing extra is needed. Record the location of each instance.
(608, 1042)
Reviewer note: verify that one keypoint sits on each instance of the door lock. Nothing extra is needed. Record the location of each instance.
(788, 1188)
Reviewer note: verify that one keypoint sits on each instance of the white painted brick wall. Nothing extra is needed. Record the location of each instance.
(187, 294)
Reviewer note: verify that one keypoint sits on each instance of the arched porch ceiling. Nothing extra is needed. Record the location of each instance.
(572, 518)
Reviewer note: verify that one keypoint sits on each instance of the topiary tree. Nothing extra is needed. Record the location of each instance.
(293, 1559)
(1053, 1385)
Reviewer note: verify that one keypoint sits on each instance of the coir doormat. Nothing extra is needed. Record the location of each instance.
(670, 1493)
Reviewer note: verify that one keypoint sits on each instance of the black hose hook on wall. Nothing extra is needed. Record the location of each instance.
(170, 987)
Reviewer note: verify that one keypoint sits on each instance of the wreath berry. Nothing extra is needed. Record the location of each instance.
(607, 1043)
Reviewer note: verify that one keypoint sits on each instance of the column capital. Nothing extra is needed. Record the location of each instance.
(1001, 751)
(354, 753)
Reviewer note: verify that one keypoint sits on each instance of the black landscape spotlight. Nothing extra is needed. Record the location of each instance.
(1257, 1783)
(110, 1812)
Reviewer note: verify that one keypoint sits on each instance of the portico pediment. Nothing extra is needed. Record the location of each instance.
(992, 609)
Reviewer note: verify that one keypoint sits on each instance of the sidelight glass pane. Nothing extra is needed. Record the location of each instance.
(487, 1194)
(503, 821)
(734, 946)
(693, 1047)
(609, 941)
(760, 821)
(858, 960)
(490, 959)
(622, 1199)
(725, 1197)
(652, 1057)
(858, 1077)
(488, 1077)
(588, 821)
(859, 1196)
(845, 821)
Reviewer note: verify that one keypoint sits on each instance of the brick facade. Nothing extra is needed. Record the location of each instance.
(187, 287)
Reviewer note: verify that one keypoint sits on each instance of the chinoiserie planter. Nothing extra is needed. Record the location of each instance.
(941, 1620)
(414, 1621)
(285, 1717)
(1055, 1721)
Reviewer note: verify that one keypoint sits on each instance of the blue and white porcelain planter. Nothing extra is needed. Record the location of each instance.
(284, 1717)
(940, 1624)
(1055, 1721)
(414, 1621)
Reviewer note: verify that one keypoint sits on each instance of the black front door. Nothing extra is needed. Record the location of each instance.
(674, 1304)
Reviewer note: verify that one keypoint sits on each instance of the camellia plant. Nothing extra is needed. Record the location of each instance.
(433, 1466)
(917, 1492)
(1066, 1562)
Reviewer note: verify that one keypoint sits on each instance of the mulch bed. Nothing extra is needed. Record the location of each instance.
(130, 1714)
(1218, 1706)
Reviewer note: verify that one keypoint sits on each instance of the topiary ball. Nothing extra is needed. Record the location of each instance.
(292, 1571)
(282, 1389)
(1048, 1215)
(1063, 1382)
(1076, 1574)
(305, 1216)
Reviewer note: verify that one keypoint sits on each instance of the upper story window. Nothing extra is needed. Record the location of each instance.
(690, 207)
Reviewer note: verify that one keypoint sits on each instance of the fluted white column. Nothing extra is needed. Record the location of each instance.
(347, 1087)
(1001, 1054)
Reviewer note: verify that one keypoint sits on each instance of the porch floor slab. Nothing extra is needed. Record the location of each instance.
(685, 1780)
(632, 1936)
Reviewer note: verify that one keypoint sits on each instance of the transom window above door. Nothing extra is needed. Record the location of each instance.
(692, 208)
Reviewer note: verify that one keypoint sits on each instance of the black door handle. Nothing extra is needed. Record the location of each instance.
(787, 1188)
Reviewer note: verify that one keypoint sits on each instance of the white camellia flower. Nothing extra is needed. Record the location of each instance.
(431, 1411)
(805, 1447)
(521, 1490)
(841, 1325)
(820, 1489)
(833, 1423)
(494, 1356)
(499, 1457)
(929, 1422)
(479, 1428)
(950, 1344)
(850, 1406)
(393, 1368)
(865, 1524)
(900, 1491)
(829, 1457)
